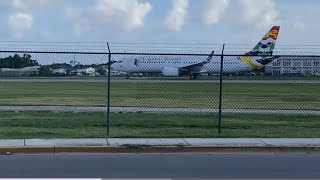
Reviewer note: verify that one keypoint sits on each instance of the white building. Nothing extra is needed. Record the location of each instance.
(294, 66)
(90, 71)
(60, 72)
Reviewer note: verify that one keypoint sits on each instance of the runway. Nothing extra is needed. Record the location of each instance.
(149, 80)
(154, 110)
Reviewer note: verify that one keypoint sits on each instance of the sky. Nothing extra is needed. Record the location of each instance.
(159, 21)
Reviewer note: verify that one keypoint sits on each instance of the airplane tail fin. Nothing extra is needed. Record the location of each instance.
(262, 53)
(210, 56)
(266, 46)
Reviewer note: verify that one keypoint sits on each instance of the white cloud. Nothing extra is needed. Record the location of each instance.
(127, 15)
(32, 5)
(80, 20)
(19, 23)
(72, 13)
(262, 13)
(175, 19)
(214, 9)
(22, 4)
(22, 12)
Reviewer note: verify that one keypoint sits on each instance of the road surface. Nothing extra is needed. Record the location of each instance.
(189, 165)
(154, 110)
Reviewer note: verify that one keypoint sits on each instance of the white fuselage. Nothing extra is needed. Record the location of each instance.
(158, 64)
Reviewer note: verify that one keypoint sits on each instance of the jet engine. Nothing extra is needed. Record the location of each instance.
(170, 71)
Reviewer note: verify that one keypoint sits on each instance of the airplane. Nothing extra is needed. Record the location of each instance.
(31, 69)
(174, 66)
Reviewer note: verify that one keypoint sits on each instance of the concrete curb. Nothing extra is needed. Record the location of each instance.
(162, 145)
(149, 149)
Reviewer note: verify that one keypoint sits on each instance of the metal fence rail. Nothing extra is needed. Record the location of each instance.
(83, 94)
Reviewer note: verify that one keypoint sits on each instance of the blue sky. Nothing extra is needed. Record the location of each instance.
(164, 21)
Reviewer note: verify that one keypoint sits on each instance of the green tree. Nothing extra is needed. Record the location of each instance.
(45, 71)
(17, 61)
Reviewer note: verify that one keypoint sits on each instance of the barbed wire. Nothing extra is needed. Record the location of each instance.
(104, 43)
(140, 48)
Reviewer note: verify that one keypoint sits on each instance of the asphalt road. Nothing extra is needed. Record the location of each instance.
(194, 165)
(154, 110)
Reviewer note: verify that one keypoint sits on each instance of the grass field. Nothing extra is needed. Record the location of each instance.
(86, 125)
(191, 95)
(257, 77)
(204, 77)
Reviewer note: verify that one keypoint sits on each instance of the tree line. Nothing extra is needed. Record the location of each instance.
(16, 61)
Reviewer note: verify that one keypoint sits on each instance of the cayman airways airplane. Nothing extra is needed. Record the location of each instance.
(257, 59)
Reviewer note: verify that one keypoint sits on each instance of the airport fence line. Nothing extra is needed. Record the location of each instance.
(46, 94)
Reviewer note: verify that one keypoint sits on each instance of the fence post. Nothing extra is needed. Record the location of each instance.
(109, 90)
(220, 95)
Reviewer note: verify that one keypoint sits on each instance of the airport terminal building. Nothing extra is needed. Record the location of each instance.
(304, 66)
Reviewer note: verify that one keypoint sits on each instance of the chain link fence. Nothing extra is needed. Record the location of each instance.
(45, 94)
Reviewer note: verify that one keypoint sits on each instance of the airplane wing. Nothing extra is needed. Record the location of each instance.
(197, 67)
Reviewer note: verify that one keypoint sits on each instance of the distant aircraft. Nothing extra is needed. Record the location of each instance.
(257, 59)
(31, 69)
